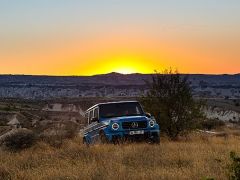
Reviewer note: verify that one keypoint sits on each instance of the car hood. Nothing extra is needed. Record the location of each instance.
(128, 118)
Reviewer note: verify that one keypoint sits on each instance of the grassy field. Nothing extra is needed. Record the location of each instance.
(198, 157)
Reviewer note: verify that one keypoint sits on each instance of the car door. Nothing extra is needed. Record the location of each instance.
(95, 124)
(88, 131)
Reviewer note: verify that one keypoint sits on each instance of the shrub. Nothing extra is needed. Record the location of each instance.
(17, 139)
(171, 101)
(234, 168)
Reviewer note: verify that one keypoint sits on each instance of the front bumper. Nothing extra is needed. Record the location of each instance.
(125, 135)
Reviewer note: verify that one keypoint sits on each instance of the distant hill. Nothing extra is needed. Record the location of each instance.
(108, 79)
(112, 84)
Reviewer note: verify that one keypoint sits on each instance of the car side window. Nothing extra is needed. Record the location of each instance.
(90, 116)
(96, 113)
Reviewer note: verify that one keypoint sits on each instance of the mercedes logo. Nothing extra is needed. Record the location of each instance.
(134, 125)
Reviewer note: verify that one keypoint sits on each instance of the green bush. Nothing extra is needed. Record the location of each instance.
(234, 168)
(17, 139)
(170, 100)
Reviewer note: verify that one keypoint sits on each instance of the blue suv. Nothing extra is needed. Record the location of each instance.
(119, 121)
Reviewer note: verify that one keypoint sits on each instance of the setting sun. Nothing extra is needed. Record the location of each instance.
(126, 70)
(124, 65)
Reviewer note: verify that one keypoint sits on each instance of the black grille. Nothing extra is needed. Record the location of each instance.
(132, 125)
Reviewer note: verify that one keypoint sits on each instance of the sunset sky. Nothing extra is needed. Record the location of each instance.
(86, 37)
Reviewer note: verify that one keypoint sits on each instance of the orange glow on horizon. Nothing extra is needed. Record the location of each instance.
(129, 53)
(87, 38)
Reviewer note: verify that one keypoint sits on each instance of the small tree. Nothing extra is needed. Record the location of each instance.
(170, 100)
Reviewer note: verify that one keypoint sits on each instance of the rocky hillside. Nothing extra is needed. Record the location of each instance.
(109, 85)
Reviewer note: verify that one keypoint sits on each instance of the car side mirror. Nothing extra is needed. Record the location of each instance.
(148, 115)
(94, 119)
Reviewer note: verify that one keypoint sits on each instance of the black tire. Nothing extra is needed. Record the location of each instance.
(84, 141)
(103, 138)
(154, 140)
(117, 140)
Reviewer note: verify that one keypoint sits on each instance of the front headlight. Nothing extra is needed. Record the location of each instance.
(115, 126)
(151, 123)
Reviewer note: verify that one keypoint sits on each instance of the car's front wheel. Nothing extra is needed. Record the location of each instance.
(155, 139)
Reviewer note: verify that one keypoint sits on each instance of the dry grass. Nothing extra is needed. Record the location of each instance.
(197, 158)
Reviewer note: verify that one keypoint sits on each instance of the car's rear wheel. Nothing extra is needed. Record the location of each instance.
(103, 138)
(85, 142)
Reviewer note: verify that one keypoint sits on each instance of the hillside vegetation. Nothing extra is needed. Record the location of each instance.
(197, 157)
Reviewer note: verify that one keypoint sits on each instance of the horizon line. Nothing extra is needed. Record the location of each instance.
(48, 75)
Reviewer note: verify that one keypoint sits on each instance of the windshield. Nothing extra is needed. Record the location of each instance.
(120, 109)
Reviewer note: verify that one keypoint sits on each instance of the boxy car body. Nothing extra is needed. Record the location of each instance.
(115, 121)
